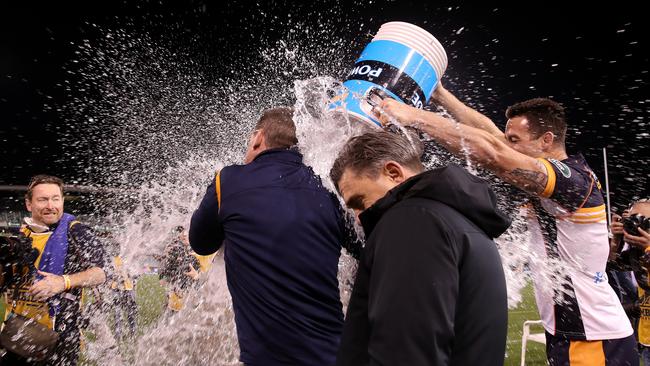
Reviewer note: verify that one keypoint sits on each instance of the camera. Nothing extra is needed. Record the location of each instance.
(16, 254)
(632, 224)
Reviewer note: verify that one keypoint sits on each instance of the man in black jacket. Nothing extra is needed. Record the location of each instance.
(430, 288)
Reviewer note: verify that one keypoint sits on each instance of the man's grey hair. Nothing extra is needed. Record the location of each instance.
(367, 154)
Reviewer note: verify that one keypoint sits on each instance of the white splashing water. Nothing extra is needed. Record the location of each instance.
(172, 129)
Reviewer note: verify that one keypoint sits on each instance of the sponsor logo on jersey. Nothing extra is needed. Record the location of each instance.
(564, 170)
(599, 277)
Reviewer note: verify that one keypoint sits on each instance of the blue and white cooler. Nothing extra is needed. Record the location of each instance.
(402, 61)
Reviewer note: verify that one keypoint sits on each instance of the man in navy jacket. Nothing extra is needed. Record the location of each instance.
(430, 288)
(282, 232)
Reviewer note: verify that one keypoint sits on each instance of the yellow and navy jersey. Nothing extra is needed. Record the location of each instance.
(573, 191)
(570, 240)
(644, 321)
(25, 304)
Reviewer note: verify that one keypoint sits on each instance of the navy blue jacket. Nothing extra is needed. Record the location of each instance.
(282, 232)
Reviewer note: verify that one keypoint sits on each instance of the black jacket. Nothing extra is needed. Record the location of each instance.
(430, 289)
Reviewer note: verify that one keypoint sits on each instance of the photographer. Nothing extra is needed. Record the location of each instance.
(43, 303)
(633, 229)
(630, 242)
(181, 268)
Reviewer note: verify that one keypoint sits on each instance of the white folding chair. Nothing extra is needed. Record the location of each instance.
(527, 336)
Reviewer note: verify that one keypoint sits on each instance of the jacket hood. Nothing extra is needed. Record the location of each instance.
(451, 185)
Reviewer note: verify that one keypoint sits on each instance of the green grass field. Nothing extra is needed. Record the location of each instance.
(150, 298)
(527, 310)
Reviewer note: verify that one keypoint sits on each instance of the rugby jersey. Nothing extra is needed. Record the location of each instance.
(570, 243)
(644, 321)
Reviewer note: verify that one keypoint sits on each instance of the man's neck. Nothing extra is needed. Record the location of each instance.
(559, 154)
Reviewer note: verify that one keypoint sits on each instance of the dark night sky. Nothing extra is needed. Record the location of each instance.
(592, 60)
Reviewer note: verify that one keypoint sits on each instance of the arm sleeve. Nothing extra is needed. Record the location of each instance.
(206, 230)
(567, 185)
(89, 250)
(414, 286)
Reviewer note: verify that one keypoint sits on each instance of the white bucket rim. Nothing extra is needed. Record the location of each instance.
(431, 45)
(411, 27)
(439, 64)
(417, 38)
(435, 58)
(423, 35)
(427, 49)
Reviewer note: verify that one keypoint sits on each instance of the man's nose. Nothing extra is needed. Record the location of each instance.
(50, 203)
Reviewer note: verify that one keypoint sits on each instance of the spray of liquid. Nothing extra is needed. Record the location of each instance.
(171, 128)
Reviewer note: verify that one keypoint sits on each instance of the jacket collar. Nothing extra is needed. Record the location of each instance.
(282, 154)
(372, 214)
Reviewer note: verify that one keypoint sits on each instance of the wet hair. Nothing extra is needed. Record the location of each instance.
(278, 128)
(543, 115)
(42, 179)
(366, 154)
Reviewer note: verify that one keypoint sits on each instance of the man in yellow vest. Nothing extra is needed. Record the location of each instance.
(639, 239)
(69, 259)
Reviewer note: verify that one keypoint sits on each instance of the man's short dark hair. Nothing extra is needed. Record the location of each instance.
(543, 115)
(367, 153)
(42, 179)
(278, 128)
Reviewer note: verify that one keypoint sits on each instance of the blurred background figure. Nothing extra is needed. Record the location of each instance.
(630, 247)
(180, 268)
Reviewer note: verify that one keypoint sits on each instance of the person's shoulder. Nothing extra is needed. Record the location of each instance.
(436, 215)
(571, 182)
(569, 167)
(81, 231)
(228, 169)
(77, 226)
(413, 210)
(235, 173)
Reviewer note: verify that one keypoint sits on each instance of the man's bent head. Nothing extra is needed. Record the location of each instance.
(44, 199)
(275, 129)
(536, 127)
(370, 165)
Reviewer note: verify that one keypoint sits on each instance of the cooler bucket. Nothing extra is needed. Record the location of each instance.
(403, 61)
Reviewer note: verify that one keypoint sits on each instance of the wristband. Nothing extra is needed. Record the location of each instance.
(66, 280)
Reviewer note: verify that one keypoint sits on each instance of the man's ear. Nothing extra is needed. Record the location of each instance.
(259, 140)
(28, 205)
(548, 138)
(394, 171)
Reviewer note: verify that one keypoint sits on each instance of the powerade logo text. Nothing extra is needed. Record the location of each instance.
(365, 70)
(391, 78)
